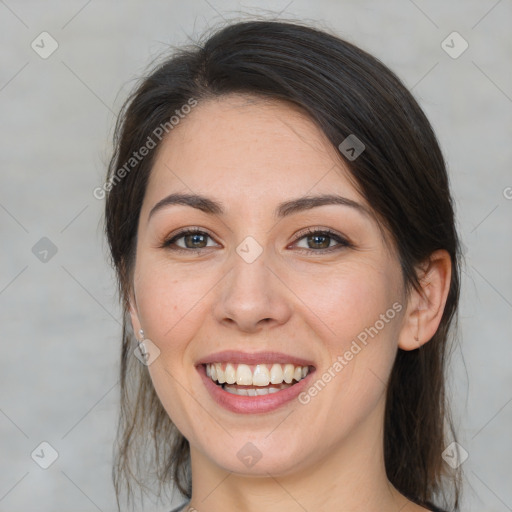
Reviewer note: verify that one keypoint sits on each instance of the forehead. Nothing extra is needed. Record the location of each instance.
(241, 149)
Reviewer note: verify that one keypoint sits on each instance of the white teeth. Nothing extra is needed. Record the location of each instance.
(276, 374)
(243, 375)
(262, 375)
(230, 374)
(235, 390)
(220, 373)
(288, 373)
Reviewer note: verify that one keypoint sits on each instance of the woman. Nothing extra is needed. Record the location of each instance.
(279, 217)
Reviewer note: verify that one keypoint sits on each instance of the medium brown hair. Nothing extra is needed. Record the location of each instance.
(401, 174)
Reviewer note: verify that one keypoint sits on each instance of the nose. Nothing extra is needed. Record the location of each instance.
(252, 296)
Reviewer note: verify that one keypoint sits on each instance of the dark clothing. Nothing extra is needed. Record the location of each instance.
(181, 508)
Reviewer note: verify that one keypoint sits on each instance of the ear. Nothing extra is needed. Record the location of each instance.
(134, 314)
(425, 309)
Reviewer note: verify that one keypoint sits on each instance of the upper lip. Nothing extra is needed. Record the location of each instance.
(235, 356)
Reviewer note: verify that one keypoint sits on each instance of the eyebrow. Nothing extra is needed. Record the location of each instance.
(210, 206)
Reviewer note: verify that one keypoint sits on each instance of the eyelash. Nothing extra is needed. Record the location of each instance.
(342, 242)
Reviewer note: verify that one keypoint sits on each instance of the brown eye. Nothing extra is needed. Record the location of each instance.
(188, 241)
(321, 241)
(195, 241)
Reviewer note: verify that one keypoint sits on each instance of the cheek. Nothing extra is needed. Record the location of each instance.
(171, 309)
(168, 305)
(346, 299)
(357, 308)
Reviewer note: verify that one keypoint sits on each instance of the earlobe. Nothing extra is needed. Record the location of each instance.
(425, 309)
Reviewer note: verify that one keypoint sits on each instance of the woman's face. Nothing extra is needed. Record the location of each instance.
(307, 321)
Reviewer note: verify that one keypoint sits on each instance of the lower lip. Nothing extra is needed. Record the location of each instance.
(252, 404)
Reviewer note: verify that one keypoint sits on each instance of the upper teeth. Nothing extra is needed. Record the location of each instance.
(257, 375)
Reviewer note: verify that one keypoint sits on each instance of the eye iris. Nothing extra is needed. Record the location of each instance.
(195, 238)
(315, 238)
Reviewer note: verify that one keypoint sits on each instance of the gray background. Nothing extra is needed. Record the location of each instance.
(59, 320)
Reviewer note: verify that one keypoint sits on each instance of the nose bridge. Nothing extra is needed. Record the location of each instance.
(251, 292)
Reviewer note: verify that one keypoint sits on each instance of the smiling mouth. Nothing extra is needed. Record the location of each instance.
(255, 380)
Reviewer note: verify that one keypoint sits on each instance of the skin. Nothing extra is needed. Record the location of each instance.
(251, 155)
